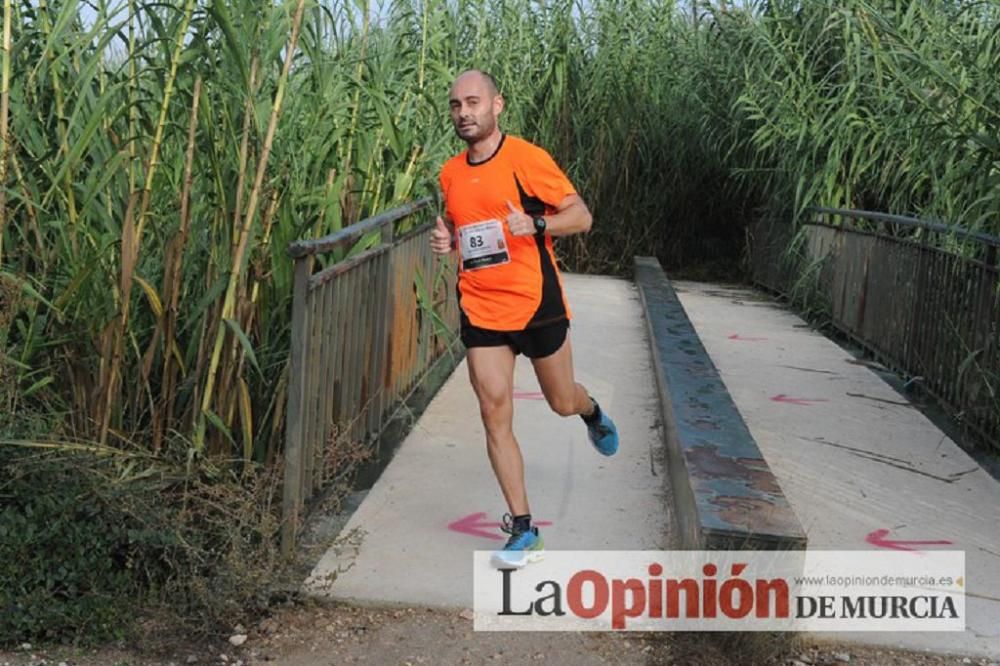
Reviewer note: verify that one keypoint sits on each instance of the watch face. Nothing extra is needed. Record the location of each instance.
(539, 224)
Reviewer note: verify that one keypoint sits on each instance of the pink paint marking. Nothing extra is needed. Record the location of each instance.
(737, 336)
(472, 525)
(529, 395)
(878, 539)
(781, 397)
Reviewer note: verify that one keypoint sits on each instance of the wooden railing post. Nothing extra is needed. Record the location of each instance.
(295, 415)
(387, 280)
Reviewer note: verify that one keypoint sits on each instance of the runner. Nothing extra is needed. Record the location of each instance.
(504, 201)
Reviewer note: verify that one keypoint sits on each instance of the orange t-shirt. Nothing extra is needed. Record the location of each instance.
(505, 282)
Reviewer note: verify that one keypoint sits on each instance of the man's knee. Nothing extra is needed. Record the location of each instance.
(496, 410)
(563, 405)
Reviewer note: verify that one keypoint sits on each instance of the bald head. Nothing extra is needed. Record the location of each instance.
(475, 103)
(477, 76)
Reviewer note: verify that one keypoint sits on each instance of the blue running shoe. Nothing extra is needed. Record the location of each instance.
(603, 434)
(521, 548)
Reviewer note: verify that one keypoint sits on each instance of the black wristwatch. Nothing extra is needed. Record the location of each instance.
(539, 224)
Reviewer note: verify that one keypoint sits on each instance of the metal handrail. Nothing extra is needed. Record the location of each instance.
(927, 311)
(903, 220)
(352, 233)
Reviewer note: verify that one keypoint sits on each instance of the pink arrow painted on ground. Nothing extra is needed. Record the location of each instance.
(878, 539)
(781, 397)
(737, 336)
(473, 524)
(529, 395)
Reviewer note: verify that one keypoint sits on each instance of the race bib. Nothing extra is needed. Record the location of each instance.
(482, 245)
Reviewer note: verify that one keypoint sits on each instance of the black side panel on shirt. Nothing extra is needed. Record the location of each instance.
(462, 317)
(551, 307)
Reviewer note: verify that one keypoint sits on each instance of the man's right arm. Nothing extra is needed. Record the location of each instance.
(442, 236)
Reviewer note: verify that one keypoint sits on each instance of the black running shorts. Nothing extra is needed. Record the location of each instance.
(534, 342)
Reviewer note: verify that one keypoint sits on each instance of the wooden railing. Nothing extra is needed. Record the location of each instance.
(365, 329)
(923, 296)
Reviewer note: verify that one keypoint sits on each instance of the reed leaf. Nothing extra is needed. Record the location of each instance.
(193, 140)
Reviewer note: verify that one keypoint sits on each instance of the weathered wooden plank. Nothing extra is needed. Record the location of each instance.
(294, 418)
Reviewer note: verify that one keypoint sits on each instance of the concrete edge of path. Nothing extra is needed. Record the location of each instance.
(725, 495)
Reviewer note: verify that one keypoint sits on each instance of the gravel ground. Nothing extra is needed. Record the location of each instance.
(313, 635)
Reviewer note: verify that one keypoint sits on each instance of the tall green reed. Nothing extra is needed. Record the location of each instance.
(159, 157)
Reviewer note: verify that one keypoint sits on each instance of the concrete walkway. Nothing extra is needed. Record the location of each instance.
(411, 540)
(861, 467)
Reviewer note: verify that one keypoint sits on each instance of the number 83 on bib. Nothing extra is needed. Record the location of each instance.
(482, 245)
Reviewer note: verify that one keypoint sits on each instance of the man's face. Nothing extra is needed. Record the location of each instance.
(474, 107)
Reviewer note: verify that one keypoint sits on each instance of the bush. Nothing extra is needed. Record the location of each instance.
(92, 540)
(61, 553)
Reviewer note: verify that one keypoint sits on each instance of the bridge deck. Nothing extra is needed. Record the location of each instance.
(861, 468)
(432, 506)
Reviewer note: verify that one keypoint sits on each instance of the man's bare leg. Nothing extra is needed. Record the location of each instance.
(566, 398)
(491, 371)
(555, 376)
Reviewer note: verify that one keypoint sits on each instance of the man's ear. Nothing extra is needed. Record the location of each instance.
(497, 105)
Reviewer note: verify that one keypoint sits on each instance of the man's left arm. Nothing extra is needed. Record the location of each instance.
(571, 217)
